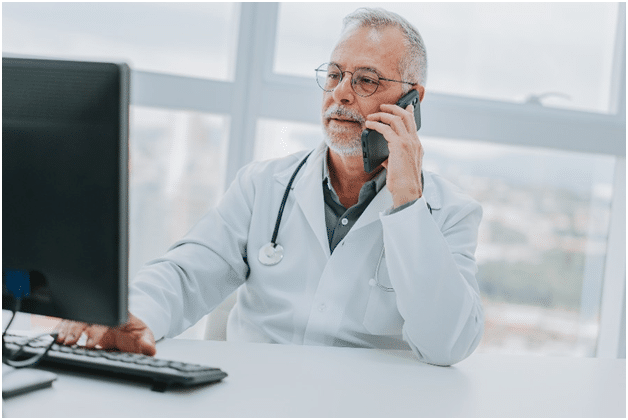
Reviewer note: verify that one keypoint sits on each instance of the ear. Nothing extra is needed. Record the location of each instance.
(421, 91)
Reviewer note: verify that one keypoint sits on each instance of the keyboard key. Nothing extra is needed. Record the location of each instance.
(158, 363)
(128, 357)
(111, 355)
(80, 351)
(95, 353)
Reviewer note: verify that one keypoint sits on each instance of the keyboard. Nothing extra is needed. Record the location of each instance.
(161, 373)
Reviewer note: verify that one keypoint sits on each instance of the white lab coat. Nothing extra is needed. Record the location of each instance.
(311, 297)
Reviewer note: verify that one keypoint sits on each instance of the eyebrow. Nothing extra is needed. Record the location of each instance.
(374, 70)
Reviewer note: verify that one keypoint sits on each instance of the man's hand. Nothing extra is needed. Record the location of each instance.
(405, 159)
(134, 336)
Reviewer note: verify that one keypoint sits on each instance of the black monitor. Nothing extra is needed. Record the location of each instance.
(65, 189)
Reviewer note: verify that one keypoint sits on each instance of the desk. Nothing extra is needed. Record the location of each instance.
(267, 380)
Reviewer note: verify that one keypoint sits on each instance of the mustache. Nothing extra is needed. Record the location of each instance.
(341, 111)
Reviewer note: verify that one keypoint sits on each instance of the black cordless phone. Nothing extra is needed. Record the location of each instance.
(375, 146)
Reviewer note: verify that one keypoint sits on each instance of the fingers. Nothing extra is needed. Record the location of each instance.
(134, 336)
(404, 161)
(401, 120)
(70, 332)
(386, 124)
(95, 334)
(385, 129)
(147, 341)
(147, 344)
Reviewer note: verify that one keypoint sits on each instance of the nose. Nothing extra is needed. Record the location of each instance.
(343, 93)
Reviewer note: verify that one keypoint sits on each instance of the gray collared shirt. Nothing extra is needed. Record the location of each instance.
(338, 218)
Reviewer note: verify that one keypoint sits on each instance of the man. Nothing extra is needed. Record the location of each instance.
(382, 259)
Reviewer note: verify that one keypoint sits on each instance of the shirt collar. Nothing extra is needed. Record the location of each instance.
(378, 182)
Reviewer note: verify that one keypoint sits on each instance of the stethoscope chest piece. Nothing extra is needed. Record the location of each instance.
(270, 254)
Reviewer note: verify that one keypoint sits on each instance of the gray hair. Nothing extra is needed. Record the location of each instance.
(413, 65)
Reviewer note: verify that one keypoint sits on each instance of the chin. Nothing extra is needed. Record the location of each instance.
(344, 147)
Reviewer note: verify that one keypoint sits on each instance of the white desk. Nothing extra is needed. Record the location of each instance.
(296, 381)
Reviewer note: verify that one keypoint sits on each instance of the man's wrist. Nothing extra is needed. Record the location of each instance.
(403, 206)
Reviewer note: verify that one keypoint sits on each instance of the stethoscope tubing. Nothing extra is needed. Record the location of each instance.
(273, 240)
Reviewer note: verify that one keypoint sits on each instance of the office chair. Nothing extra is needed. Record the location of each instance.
(216, 328)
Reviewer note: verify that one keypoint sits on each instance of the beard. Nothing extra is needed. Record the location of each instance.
(345, 141)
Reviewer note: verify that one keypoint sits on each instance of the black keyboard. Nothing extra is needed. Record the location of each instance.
(162, 373)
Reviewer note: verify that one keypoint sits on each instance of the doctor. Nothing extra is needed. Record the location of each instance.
(379, 260)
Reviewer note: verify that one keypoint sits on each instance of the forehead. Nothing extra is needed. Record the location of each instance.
(380, 50)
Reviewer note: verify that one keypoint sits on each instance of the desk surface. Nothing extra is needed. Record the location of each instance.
(267, 380)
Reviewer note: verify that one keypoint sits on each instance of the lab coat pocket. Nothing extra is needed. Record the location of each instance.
(381, 316)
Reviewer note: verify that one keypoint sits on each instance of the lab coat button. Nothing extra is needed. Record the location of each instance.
(322, 307)
(372, 282)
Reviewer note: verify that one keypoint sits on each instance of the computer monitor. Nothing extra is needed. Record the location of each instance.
(65, 188)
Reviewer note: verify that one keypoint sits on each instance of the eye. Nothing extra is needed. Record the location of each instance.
(368, 81)
(333, 75)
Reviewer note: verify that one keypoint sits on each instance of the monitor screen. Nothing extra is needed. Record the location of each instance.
(65, 189)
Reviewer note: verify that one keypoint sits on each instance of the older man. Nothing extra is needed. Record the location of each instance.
(382, 259)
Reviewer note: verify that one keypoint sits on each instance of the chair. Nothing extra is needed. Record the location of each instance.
(216, 327)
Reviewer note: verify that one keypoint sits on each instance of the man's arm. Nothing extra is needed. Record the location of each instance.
(173, 292)
(431, 266)
(432, 269)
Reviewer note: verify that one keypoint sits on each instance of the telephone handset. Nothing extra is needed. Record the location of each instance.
(375, 146)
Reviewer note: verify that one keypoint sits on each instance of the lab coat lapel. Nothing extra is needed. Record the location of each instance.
(381, 202)
(308, 193)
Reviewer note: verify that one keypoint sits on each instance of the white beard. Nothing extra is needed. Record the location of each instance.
(353, 147)
(341, 140)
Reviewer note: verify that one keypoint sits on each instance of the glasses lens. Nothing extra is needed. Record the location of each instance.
(328, 76)
(365, 82)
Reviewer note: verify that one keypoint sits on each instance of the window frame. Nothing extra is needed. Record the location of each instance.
(256, 92)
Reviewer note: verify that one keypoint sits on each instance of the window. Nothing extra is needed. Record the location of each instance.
(524, 110)
(177, 153)
(542, 241)
(191, 39)
(176, 173)
(557, 53)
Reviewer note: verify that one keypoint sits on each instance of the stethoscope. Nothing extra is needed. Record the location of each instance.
(272, 252)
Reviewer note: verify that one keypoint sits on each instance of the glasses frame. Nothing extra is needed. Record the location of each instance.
(353, 80)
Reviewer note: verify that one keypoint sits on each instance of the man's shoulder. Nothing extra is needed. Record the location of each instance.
(277, 165)
(269, 167)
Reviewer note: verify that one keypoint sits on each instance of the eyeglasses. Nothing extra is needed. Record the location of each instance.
(363, 81)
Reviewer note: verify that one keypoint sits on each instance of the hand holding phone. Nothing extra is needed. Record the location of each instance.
(375, 146)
